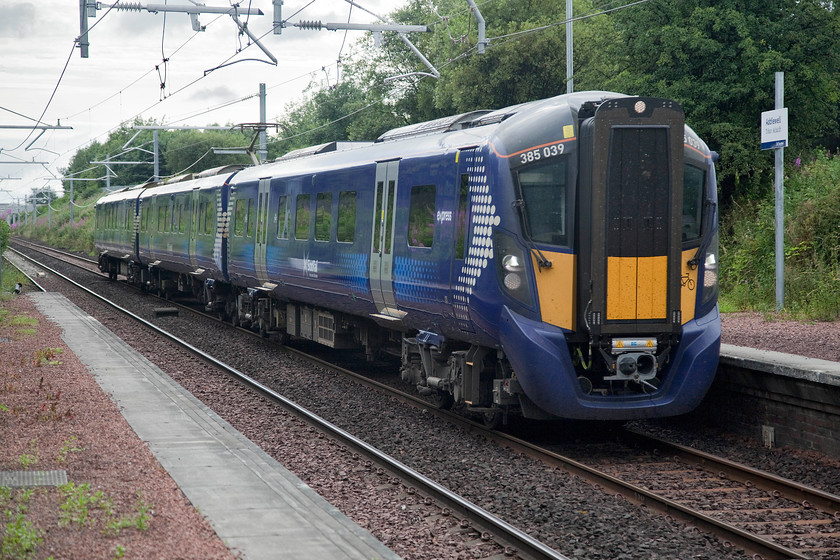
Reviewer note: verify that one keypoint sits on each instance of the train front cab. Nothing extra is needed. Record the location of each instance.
(640, 335)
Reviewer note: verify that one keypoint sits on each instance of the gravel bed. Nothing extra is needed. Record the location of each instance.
(573, 517)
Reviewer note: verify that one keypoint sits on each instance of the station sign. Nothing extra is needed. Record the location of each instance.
(774, 129)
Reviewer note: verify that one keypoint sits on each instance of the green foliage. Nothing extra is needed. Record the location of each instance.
(139, 520)
(68, 448)
(55, 227)
(27, 460)
(192, 150)
(349, 111)
(179, 152)
(5, 233)
(21, 538)
(812, 256)
(78, 502)
(719, 58)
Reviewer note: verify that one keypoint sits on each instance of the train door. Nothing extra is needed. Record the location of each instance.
(261, 236)
(195, 216)
(636, 217)
(382, 241)
(462, 273)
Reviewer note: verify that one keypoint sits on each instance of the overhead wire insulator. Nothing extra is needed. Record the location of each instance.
(129, 6)
(316, 25)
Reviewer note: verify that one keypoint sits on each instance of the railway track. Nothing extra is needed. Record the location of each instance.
(764, 515)
(514, 542)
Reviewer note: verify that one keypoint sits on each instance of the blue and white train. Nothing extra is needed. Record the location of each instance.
(556, 258)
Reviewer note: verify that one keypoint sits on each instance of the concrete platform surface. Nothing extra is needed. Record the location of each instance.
(255, 505)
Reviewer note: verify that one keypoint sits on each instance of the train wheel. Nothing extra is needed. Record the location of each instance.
(442, 400)
(492, 420)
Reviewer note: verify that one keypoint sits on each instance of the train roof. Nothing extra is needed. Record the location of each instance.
(473, 128)
(501, 127)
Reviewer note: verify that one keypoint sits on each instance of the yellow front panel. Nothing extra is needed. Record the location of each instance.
(637, 288)
(621, 288)
(556, 289)
(652, 288)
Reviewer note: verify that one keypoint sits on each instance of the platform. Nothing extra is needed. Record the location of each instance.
(255, 505)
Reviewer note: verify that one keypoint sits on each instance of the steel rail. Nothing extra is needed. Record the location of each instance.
(515, 541)
(754, 544)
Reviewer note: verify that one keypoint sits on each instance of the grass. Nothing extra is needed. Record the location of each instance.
(20, 537)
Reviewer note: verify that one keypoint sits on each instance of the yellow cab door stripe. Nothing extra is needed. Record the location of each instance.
(556, 289)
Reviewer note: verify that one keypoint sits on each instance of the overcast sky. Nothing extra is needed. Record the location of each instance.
(122, 77)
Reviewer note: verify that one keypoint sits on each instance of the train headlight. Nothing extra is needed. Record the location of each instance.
(511, 267)
(710, 271)
(513, 281)
(512, 263)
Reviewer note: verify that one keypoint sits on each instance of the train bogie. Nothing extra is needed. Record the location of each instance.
(552, 259)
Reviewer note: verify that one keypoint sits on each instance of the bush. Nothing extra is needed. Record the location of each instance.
(812, 245)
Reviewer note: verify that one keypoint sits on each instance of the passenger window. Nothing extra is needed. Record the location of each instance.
(346, 232)
(302, 216)
(283, 216)
(323, 216)
(421, 216)
(249, 224)
(239, 217)
(693, 181)
(182, 218)
(161, 216)
(210, 217)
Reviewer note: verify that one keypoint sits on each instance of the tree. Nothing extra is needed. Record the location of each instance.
(191, 151)
(718, 59)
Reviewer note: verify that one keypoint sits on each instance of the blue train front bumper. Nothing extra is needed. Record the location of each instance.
(540, 358)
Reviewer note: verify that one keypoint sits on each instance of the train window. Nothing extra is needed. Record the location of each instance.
(303, 214)
(389, 216)
(161, 215)
(239, 217)
(543, 190)
(346, 232)
(323, 216)
(377, 220)
(144, 218)
(249, 221)
(283, 216)
(183, 214)
(421, 216)
(210, 217)
(463, 199)
(201, 207)
(694, 179)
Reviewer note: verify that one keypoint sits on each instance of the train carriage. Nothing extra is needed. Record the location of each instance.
(115, 234)
(552, 259)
